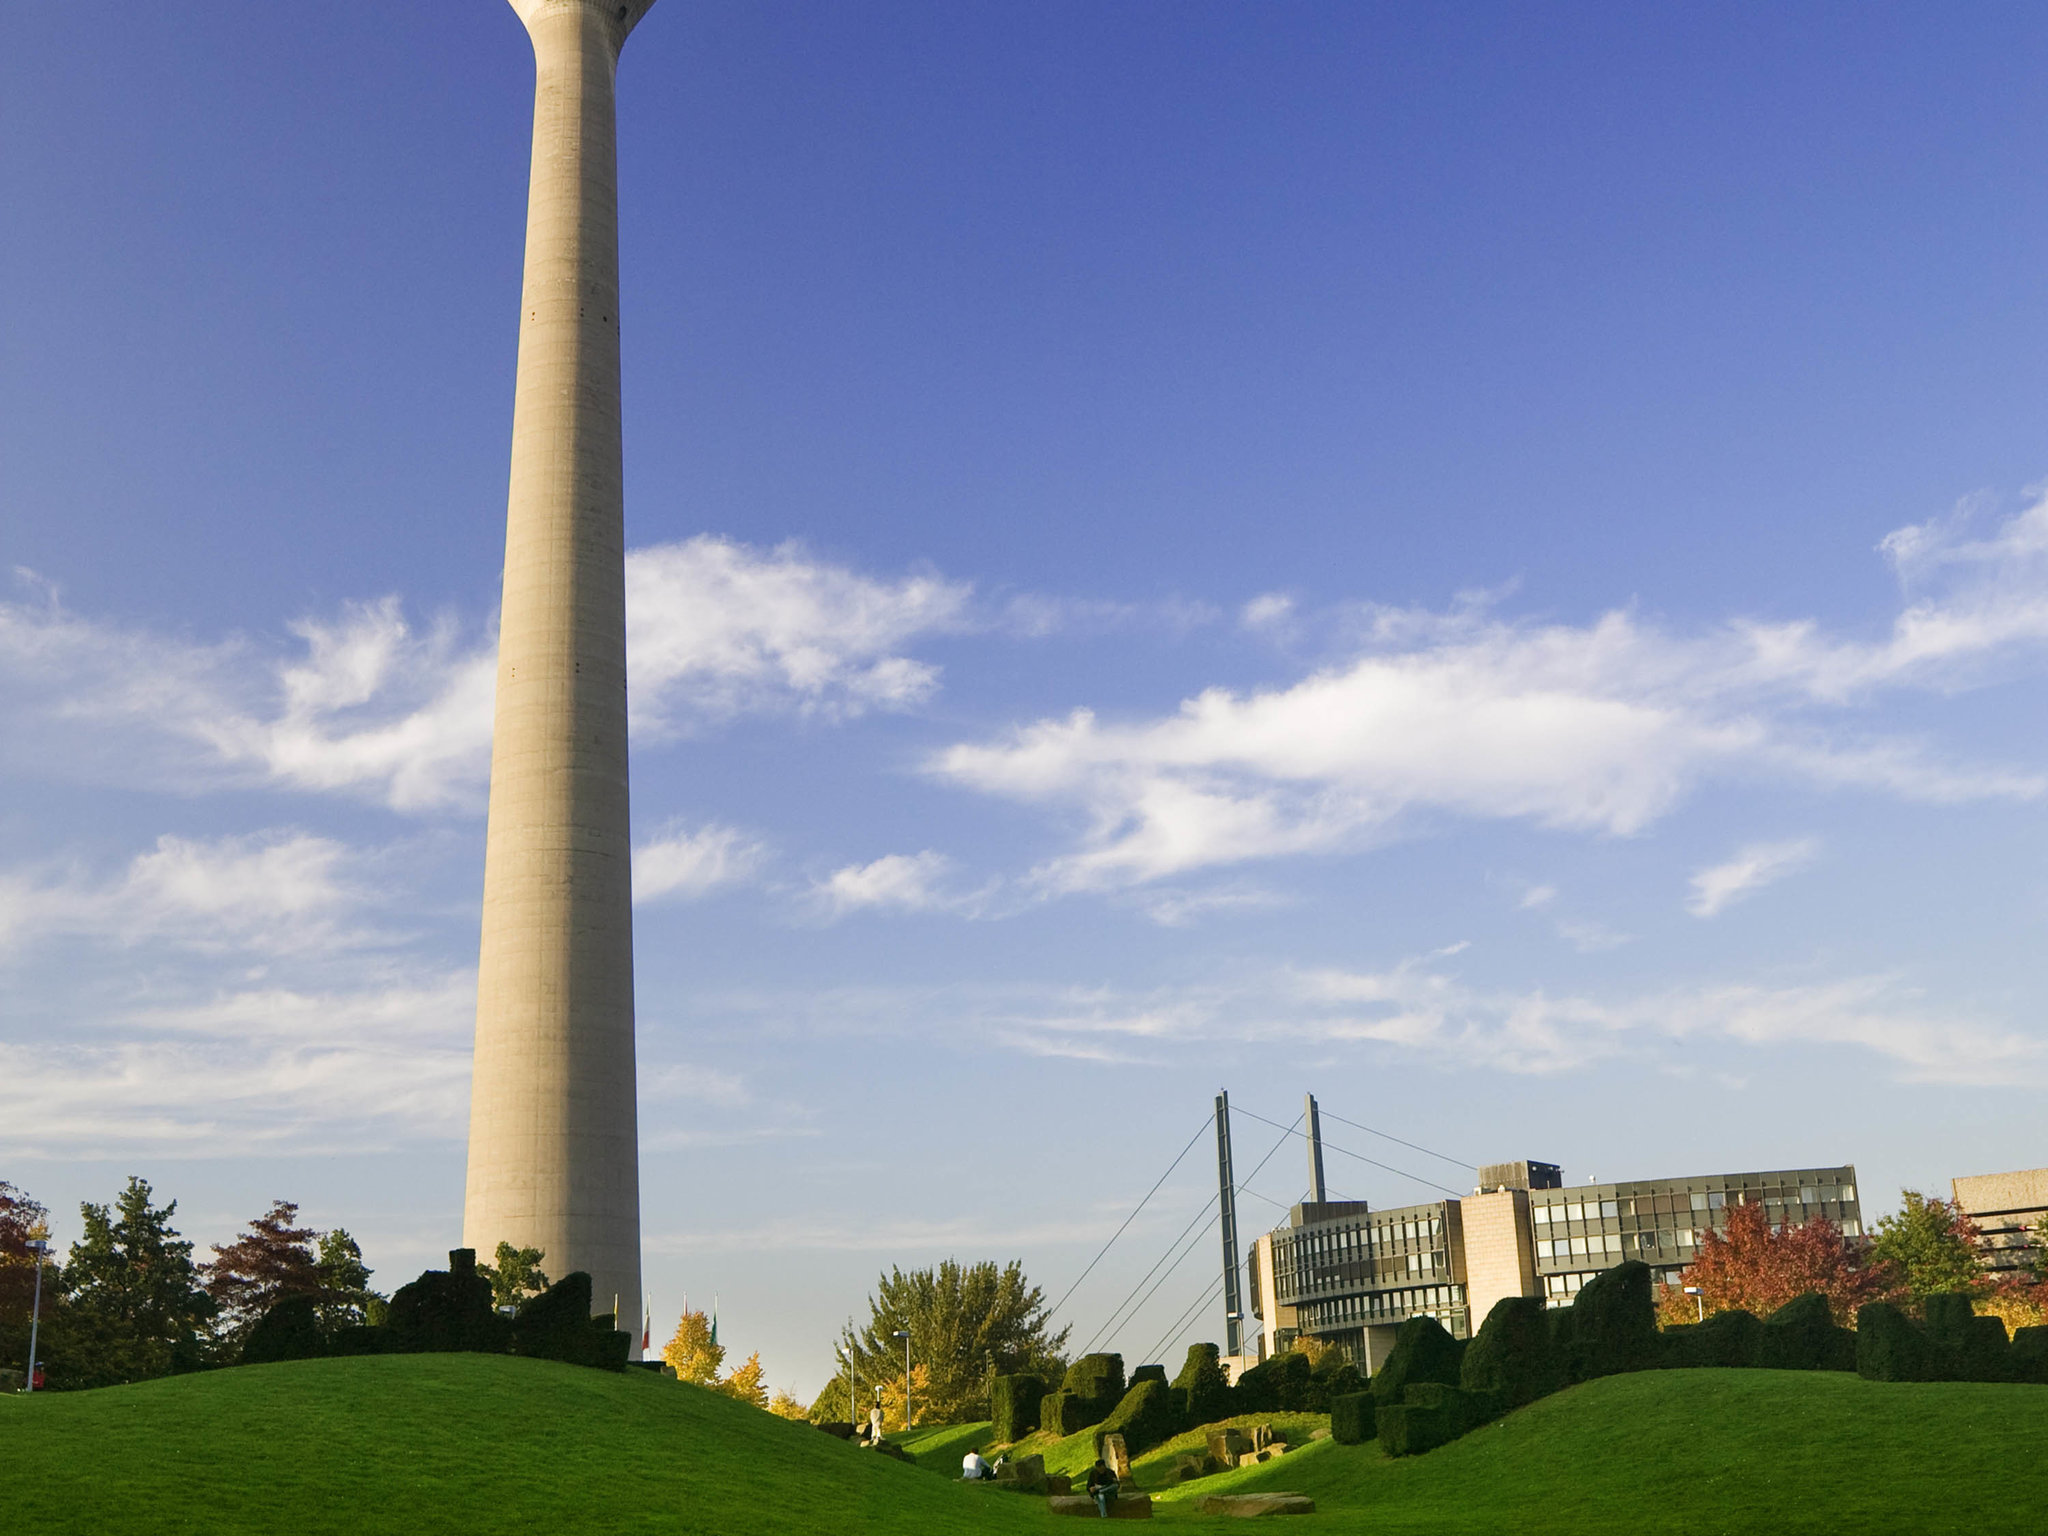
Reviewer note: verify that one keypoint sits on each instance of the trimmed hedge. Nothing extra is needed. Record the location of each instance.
(1802, 1336)
(1144, 1417)
(2030, 1355)
(1352, 1418)
(1099, 1378)
(1728, 1339)
(446, 1310)
(1432, 1414)
(1013, 1407)
(1283, 1384)
(558, 1325)
(1202, 1390)
(1964, 1346)
(1423, 1352)
(1514, 1355)
(288, 1331)
(1063, 1413)
(1613, 1323)
(1888, 1346)
(1149, 1373)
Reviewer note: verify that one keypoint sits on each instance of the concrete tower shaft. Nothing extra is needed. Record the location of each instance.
(553, 1137)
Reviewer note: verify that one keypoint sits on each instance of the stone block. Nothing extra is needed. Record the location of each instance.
(1226, 1445)
(1132, 1506)
(1246, 1506)
(1117, 1456)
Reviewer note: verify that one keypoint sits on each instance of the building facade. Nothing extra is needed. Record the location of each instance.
(2008, 1210)
(1351, 1275)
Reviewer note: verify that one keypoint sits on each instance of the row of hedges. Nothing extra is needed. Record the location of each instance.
(450, 1310)
(1434, 1388)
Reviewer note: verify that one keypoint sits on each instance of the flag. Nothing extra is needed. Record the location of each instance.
(646, 1326)
(714, 1317)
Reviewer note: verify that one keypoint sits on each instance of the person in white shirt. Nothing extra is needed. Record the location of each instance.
(973, 1468)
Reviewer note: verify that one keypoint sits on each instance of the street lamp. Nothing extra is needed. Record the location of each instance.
(41, 1250)
(904, 1335)
(1698, 1300)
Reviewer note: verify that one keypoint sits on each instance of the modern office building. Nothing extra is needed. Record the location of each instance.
(2008, 1209)
(1351, 1275)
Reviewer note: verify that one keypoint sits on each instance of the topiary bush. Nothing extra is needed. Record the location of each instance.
(1013, 1406)
(1432, 1414)
(1345, 1380)
(1281, 1384)
(2029, 1355)
(288, 1331)
(1614, 1324)
(1202, 1390)
(447, 1310)
(1100, 1378)
(1352, 1418)
(1729, 1339)
(1888, 1345)
(1514, 1355)
(1961, 1345)
(1802, 1336)
(1064, 1413)
(1423, 1352)
(557, 1325)
(1149, 1373)
(1144, 1417)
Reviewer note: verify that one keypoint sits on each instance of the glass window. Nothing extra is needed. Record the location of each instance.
(1848, 1191)
(1609, 1209)
(1852, 1228)
(1613, 1241)
(1699, 1200)
(1809, 1195)
(1542, 1215)
(1716, 1200)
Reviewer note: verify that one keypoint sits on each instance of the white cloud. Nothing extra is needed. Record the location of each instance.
(1752, 868)
(255, 1069)
(1596, 728)
(911, 881)
(368, 705)
(688, 864)
(716, 628)
(274, 891)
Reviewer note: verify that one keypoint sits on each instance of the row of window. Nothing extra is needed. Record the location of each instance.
(1614, 1245)
(1698, 1200)
(1443, 1302)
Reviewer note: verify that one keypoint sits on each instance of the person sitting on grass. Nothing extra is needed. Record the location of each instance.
(1102, 1486)
(973, 1469)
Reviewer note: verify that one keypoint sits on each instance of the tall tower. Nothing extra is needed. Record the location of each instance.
(554, 1159)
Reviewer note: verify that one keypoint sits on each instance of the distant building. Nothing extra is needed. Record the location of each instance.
(1352, 1275)
(2007, 1209)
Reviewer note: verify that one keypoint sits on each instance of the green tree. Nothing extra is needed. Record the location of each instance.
(516, 1276)
(132, 1306)
(967, 1323)
(1932, 1244)
(273, 1259)
(345, 1280)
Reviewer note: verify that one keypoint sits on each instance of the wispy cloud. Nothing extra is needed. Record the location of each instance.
(1599, 728)
(912, 882)
(1752, 868)
(687, 863)
(269, 892)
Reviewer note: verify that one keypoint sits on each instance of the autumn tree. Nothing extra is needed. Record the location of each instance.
(694, 1353)
(272, 1260)
(745, 1383)
(967, 1323)
(785, 1404)
(22, 1221)
(920, 1396)
(1751, 1266)
(516, 1276)
(132, 1305)
(1932, 1243)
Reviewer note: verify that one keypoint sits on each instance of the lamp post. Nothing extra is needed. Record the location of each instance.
(904, 1335)
(1697, 1300)
(41, 1250)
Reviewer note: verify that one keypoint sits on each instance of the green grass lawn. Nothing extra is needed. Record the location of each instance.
(479, 1443)
(427, 1444)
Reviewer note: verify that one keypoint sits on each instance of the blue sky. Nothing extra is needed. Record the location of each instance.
(1492, 564)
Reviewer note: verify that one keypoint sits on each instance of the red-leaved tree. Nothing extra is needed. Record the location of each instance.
(1751, 1267)
(272, 1260)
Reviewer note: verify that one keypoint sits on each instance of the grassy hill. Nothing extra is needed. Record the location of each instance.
(472, 1443)
(465, 1444)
